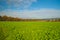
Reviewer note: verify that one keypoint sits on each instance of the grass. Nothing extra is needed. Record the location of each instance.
(29, 30)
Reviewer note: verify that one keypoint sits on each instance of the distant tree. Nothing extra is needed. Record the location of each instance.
(0, 17)
(4, 18)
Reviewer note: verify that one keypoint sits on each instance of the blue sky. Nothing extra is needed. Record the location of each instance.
(54, 4)
(30, 8)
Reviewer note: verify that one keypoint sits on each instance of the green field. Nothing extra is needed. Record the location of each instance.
(29, 30)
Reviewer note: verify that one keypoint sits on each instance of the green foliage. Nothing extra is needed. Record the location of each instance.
(29, 30)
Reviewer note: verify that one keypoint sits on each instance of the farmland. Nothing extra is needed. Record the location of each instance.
(29, 30)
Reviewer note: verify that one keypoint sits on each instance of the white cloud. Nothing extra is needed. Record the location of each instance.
(41, 13)
(20, 3)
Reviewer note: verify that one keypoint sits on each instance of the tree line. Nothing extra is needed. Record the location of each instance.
(6, 18)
